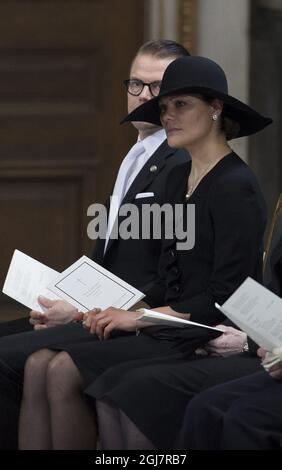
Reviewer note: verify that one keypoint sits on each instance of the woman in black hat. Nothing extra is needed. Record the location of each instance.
(197, 114)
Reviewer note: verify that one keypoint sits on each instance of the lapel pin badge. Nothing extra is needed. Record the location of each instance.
(153, 169)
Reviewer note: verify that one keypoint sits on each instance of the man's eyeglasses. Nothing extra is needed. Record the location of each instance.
(135, 87)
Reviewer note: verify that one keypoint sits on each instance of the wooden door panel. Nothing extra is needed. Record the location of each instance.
(37, 24)
(43, 213)
(61, 100)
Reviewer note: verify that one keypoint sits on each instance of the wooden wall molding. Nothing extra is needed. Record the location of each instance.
(52, 82)
(43, 212)
(187, 24)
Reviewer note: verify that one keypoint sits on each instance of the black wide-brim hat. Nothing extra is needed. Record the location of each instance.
(200, 75)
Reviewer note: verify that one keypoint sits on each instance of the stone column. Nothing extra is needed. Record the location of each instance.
(223, 35)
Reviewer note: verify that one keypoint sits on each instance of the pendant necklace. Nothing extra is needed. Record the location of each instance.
(195, 181)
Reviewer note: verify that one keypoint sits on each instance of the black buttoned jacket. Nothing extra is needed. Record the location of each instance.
(230, 218)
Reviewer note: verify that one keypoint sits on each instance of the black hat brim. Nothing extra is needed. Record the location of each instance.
(249, 120)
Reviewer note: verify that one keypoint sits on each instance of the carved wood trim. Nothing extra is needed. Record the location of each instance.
(187, 24)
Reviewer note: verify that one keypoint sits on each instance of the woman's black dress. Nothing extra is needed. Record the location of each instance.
(229, 227)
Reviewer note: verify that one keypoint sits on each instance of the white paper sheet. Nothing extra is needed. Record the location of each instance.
(257, 311)
(27, 279)
(86, 285)
(164, 319)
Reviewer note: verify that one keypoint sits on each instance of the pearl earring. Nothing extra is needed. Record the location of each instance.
(214, 117)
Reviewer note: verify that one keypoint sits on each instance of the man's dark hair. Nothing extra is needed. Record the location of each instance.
(163, 49)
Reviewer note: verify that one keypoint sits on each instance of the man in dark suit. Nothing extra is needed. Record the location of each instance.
(243, 414)
(133, 260)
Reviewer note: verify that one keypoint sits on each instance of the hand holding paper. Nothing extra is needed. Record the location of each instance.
(231, 342)
(258, 312)
(55, 312)
(164, 319)
(26, 279)
(104, 322)
(84, 285)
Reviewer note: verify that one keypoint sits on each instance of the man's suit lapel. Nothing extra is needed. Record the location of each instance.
(98, 252)
(145, 177)
(149, 172)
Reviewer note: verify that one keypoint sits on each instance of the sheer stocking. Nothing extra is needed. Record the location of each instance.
(110, 432)
(34, 423)
(133, 437)
(73, 423)
(117, 431)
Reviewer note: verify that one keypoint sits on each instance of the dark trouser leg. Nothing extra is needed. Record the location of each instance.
(10, 400)
(15, 326)
(204, 419)
(254, 422)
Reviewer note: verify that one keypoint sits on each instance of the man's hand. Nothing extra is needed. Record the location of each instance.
(102, 323)
(276, 370)
(56, 312)
(88, 318)
(230, 342)
(261, 353)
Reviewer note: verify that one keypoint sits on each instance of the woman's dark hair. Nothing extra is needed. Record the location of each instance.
(228, 126)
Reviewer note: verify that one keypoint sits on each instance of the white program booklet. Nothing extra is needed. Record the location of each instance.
(164, 319)
(26, 279)
(257, 311)
(84, 284)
